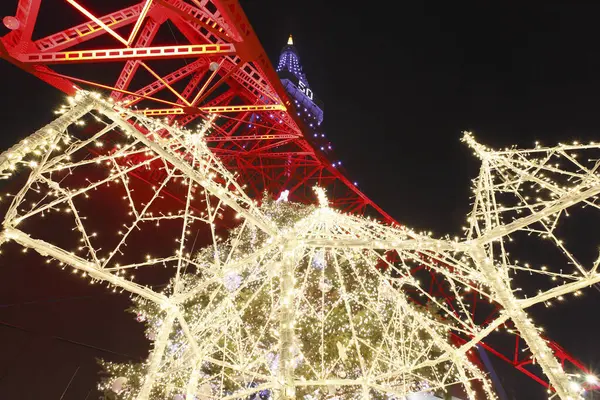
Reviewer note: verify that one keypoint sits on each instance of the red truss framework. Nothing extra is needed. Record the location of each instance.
(222, 69)
(214, 64)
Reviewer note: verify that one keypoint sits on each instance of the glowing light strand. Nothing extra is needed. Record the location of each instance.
(279, 269)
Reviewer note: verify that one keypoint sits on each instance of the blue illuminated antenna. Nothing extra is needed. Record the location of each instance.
(296, 84)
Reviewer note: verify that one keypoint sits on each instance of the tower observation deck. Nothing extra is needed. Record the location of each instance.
(306, 104)
(293, 78)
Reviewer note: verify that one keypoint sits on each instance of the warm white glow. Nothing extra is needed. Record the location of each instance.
(311, 271)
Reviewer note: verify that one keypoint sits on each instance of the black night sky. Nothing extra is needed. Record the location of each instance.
(400, 81)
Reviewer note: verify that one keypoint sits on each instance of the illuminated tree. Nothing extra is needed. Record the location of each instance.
(294, 301)
(349, 321)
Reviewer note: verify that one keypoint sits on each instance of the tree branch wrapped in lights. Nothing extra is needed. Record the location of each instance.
(292, 301)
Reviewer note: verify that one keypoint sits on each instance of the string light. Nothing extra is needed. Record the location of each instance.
(297, 301)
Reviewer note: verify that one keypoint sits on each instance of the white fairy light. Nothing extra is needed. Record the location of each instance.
(291, 275)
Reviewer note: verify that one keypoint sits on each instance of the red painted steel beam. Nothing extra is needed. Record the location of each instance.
(212, 110)
(41, 71)
(139, 22)
(248, 137)
(222, 99)
(159, 85)
(145, 38)
(87, 30)
(143, 53)
(275, 155)
(26, 15)
(249, 77)
(208, 19)
(51, 73)
(246, 76)
(248, 108)
(195, 16)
